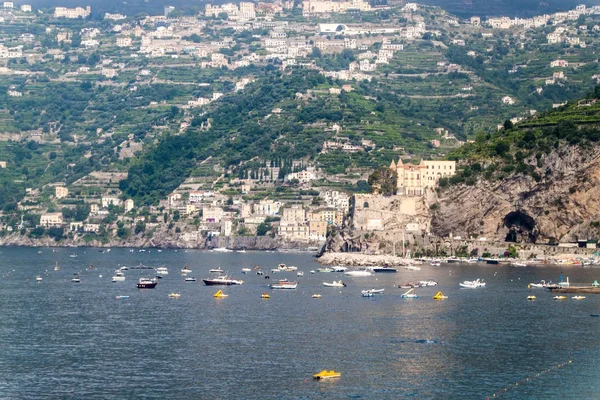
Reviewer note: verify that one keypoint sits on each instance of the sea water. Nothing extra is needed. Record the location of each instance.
(77, 340)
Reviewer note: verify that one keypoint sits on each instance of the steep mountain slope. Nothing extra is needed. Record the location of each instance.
(538, 182)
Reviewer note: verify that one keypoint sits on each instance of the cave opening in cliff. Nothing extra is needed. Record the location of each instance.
(521, 227)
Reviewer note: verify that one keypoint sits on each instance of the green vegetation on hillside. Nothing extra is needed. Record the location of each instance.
(521, 149)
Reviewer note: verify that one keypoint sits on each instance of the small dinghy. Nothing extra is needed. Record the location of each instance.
(531, 297)
(577, 297)
(316, 296)
(559, 298)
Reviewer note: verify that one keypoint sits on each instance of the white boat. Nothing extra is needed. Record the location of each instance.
(190, 279)
(186, 270)
(241, 251)
(472, 261)
(38, 278)
(222, 250)
(124, 268)
(76, 280)
(222, 280)
(284, 284)
(312, 271)
(564, 284)
(429, 282)
(519, 264)
(358, 273)
(410, 294)
(118, 277)
(435, 263)
(174, 295)
(374, 291)
(56, 267)
(339, 269)
(246, 270)
(334, 284)
(300, 274)
(366, 293)
(473, 284)
(162, 271)
(73, 256)
(324, 270)
(578, 297)
(216, 270)
(412, 268)
(542, 284)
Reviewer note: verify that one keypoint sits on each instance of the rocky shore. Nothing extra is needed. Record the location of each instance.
(363, 260)
(233, 243)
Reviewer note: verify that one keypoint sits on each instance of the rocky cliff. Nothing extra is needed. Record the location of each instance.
(561, 205)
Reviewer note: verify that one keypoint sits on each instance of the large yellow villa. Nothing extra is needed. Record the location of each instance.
(414, 179)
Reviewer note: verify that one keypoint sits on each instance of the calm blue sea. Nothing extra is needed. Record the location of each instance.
(64, 340)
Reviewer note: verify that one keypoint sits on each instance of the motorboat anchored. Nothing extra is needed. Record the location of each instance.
(216, 270)
(427, 283)
(190, 279)
(373, 291)
(222, 250)
(339, 269)
(162, 271)
(473, 284)
(435, 263)
(412, 268)
(118, 277)
(284, 284)
(334, 284)
(186, 270)
(245, 270)
(358, 273)
(38, 278)
(174, 295)
(145, 283)
(382, 269)
(324, 270)
(222, 280)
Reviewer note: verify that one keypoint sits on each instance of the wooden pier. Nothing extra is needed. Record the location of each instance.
(578, 289)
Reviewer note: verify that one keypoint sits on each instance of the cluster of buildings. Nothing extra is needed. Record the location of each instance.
(537, 21)
(291, 221)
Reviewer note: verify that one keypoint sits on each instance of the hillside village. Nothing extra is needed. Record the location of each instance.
(171, 71)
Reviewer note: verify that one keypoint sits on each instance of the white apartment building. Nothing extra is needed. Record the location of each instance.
(51, 219)
(77, 12)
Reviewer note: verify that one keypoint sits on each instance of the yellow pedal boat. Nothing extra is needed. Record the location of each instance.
(531, 297)
(560, 297)
(174, 295)
(439, 296)
(219, 294)
(265, 296)
(316, 296)
(327, 375)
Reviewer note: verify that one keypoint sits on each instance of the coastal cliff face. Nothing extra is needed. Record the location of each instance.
(563, 206)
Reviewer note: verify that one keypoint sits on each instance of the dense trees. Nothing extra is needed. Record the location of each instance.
(384, 181)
